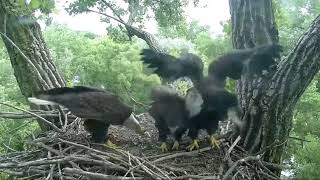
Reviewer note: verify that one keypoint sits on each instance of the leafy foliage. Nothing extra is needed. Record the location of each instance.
(307, 115)
(293, 18)
(166, 13)
(101, 62)
(12, 132)
(23, 7)
(113, 62)
(308, 159)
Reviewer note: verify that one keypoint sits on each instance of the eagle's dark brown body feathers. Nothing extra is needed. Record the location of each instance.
(99, 108)
(89, 103)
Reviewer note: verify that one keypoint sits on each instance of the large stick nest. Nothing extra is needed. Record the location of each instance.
(70, 155)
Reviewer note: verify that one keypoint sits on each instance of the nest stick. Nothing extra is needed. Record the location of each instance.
(191, 153)
(54, 127)
(92, 175)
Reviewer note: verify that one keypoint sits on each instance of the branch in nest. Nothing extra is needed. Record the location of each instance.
(197, 177)
(36, 115)
(237, 163)
(192, 153)
(92, 175)
(231, 147)
(104, 163)
(35, 163)
(110, 155)
(49, 149)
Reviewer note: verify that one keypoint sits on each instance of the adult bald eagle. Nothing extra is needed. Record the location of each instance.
(99, 108)
(170, 114)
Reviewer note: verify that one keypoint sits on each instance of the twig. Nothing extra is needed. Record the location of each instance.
(34, 163)
(139, 103)
(66, 120)
(233, 145)
(93, 150)
(147, 170)
(196, 177)
(5, 24)
(50, 174)
(111, 17)
(8, 147)
(192, 153)
(269, 173)
(230, 170)
(41, 118)
(158, 156)
(270, 165)
(40, 144)
(14, 173)
(113, 10)
(59, 166)
(18, 115)
(92, 175)
(132, 168)
(108, 163)
(129, 161)
(104, 163)
(299, 139)
(156, 168)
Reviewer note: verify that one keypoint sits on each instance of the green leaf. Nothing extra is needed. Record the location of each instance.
(35, 4)
(21, 3)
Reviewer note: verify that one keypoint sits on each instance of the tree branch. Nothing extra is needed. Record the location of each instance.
(237, 163)
(92, 175)
(113, 10)
(40, 118)
(149, 38)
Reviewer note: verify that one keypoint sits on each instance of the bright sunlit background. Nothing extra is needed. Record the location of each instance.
(208, 12)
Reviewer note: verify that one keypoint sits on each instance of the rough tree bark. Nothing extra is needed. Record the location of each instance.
(29, 56)
(268, 102)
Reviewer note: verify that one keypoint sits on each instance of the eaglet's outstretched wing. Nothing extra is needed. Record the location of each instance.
(171, 68)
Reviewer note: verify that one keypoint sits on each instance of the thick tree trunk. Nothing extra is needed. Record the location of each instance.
(268, 102)
(29, 56)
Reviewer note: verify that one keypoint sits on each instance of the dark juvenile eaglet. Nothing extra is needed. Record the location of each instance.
(208, 102)
(251, 61)
(168, 110)
(99, 108)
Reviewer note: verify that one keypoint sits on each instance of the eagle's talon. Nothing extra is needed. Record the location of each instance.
(109, 144)
(214, 142)
(193, 145)
(175, 145)
(164, 147)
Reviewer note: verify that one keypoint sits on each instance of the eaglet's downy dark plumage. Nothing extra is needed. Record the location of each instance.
(208, 102)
